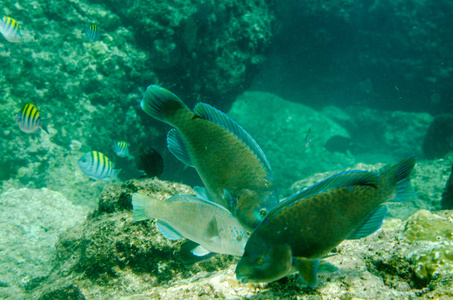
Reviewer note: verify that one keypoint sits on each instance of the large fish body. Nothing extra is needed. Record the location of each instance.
(204, 222)
(233, 168)
(302, 229)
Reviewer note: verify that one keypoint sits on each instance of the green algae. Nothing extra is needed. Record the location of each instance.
(434, 234)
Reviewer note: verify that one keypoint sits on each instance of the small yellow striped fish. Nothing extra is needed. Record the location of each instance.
(97, 166)
(10, 29)
(92, 32)
(121, 148)
(29, 119)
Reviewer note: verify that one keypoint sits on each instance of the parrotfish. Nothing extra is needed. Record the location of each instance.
(232, 166)
(29, 119)
(303, 228)
(97, 166)
(199, 220)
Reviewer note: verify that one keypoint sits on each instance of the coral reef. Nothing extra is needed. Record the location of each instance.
(90, 91)
(112, 256)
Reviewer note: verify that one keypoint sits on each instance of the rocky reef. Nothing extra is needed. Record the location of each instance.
(295, 137)
(90, 91)
(112, 256)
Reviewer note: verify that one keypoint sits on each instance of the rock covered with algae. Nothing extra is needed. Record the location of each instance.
(90, 91)
(112, 256)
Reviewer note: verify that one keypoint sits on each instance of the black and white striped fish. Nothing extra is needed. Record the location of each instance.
(10, 29)
(29, 119)
(92, 32)
(121, 148)
(97, 166)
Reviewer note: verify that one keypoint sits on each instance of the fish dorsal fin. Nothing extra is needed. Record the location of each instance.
(177, 147)
(200, 251)
(168, 231)
(203, 193)
(344, 179)
(308, 269)
(212, 230)
(208, 112)
(372, 223)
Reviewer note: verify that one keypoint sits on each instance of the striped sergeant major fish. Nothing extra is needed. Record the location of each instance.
(97, 166)
(121, 148)
(92, 32)
(29, 119)
(10, 29)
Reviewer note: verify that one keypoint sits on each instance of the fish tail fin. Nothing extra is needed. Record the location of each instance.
(44, 124)
(162, 104)
(115, 174)
(139, 206)
(404, 190)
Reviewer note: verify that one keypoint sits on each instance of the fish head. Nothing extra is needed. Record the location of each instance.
(264, 261)
(236, 240)
(85, 161)
(253, 206)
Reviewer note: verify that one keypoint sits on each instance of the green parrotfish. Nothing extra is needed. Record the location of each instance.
(302, 229)
(234, 169)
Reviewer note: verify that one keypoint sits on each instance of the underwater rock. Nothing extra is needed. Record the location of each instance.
(32, 219)
(439, 138)
(387, 133)
(339, 143)
(280, 130)
(447, 195)
(112, 250)
(111, 256)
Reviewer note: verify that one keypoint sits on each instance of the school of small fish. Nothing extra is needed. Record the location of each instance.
(238, 211)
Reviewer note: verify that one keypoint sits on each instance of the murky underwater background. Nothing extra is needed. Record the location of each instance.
(321, 86)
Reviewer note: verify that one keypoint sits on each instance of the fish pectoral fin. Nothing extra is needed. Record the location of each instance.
(308, 269)
(200, 251)
(177, 147)
(168, 231)
(325, 267)
(371, 223)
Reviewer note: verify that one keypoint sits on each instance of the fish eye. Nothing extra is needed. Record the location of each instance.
(263, 212)
(239, 238)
